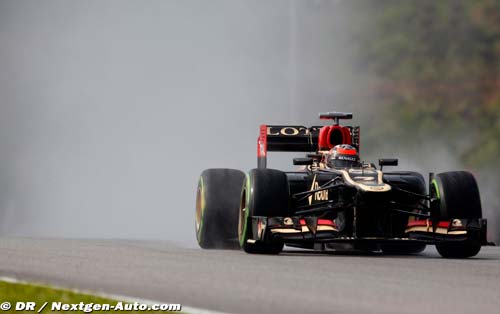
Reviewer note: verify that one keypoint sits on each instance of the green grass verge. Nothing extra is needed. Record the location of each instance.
(23, 292)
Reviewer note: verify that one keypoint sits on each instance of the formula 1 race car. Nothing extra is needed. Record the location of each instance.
(334, 200)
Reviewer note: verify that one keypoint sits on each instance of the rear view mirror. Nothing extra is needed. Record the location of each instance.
(302, 161)
(387, 162)
(317, 157)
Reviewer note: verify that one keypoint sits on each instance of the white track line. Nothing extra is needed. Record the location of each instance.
(185, 309)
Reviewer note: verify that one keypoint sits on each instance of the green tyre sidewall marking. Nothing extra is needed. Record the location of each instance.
(244, 236)
(434, 183)
(438, 196)
(202, 205)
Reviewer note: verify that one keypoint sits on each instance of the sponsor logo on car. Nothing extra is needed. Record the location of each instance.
(290, 130)
(317, 196)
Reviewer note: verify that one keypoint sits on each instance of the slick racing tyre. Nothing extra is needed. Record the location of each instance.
(217, 203)
(408, 181)
(265, 193)
(457, 195)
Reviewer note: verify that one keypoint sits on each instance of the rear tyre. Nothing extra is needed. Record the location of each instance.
(457, 195)
(217, 203)
(265, 193)
(408, 181)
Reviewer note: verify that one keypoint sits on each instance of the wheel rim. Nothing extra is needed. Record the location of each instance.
(199, 206)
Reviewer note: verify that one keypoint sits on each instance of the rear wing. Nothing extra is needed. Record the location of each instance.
(295, 138)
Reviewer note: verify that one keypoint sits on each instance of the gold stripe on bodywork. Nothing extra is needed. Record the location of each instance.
(438, 230)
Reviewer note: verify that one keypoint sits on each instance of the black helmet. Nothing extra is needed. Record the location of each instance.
(343, 156)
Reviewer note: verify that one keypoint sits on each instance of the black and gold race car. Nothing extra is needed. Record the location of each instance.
(334, 200)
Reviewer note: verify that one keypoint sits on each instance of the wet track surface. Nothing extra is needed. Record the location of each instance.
(235, 282)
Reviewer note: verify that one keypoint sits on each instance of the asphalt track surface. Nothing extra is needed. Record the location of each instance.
(235, 282)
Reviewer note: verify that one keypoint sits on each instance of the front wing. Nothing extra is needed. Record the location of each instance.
(312, 229)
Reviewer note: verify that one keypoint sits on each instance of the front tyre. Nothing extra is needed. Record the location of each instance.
(265, 193)
(458, 250)
(457, 194)
(217, 203)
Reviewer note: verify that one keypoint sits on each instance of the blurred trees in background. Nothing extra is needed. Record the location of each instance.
(433, 67)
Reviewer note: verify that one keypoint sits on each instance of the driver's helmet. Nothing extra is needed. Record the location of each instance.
(343, 156)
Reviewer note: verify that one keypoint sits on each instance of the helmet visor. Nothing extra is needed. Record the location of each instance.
(343, 161)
